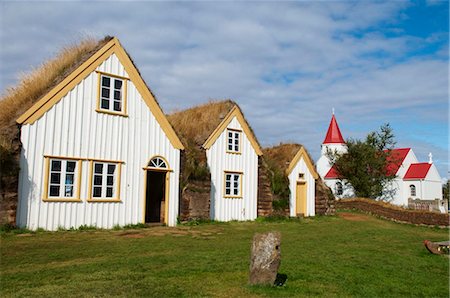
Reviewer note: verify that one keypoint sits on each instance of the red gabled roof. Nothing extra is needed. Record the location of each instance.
(417, 171)
(334, 135)
(395, 160)
(332, 173)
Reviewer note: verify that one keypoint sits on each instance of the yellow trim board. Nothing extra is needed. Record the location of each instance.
(235, 112)
(302, 153)
(112, 47)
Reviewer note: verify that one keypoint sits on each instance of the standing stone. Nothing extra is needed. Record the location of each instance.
(265, 258)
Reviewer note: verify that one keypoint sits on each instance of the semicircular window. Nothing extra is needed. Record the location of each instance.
(157, 162)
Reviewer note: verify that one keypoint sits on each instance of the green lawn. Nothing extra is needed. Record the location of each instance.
(347, 255)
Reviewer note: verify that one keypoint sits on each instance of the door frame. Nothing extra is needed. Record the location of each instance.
(305, 205)
(167, 172)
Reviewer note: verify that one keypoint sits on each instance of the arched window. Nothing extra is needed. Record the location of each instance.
(339, 190)
(158, 163)
(412, 189)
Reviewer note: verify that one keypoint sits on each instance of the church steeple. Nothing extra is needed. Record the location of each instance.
(334, 135)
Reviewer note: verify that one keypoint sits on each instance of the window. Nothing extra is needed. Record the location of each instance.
(412, 189)
(112, 94)
(158, 163)
(339, 190)
(62, 182)
(233, 139)
(301, 176)
(105, 183)
(233, 185)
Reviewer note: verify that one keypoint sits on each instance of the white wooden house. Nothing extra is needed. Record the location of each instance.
(232, 151)
(295, 163)
(97, 150)
(302, 175)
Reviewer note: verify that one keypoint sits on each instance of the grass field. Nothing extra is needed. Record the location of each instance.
(348, 255)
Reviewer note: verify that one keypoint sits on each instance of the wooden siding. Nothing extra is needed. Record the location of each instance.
(72, 128)
(226, 209)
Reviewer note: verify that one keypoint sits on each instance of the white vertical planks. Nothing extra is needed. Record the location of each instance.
(301, 167)
(72, 128)
(219, 161)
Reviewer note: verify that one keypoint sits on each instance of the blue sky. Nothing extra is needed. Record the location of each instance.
(286, 63)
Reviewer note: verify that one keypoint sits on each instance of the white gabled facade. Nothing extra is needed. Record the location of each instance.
(69, 127)
(226, 205)
(302, 184)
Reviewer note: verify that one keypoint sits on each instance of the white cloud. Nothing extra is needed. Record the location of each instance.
(287, 64)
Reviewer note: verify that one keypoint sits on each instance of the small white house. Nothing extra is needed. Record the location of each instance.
(97, 150)
(302, 175)
(232, 152)
(294, 162)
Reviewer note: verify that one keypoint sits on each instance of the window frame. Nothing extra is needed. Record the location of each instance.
(76, 183)
(124, 90)
(339, 188)
(411, 187)
(117, 175)
(234, 132)
(232, 173)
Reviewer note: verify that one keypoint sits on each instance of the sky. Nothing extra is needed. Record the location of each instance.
(286, 63)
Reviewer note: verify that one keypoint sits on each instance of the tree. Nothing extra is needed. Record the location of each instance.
(364, 165)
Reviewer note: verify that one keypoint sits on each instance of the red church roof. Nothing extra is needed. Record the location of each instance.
(417, 171)
(395, 160)
(334, 135)
(332, 173)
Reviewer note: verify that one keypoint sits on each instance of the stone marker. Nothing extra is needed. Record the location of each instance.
(265, 258)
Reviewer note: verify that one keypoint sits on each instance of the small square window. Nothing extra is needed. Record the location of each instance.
(97, 192)
(54, 191)
(111, 169)
(56, 165)
(71, 166)
(55, 178)
(99, 168)
(106, 81)
(105, 93)
(117, 84)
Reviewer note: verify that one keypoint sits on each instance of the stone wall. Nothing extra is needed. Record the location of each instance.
(9, 173)
(324, 200)
(395, 213)
(265, 196)
(195, 200)
(428, 205)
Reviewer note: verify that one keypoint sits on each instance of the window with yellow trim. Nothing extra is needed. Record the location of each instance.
(233, 141)
(233, 185)
(105, 180)
(62, 179)
(111, 94)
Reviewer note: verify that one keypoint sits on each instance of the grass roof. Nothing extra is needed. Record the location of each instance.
(196, 124)
(39, 81)
(280, 156)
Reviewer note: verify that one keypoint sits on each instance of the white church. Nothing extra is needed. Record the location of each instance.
(414, 180)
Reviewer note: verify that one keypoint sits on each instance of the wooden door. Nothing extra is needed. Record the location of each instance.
(301, 199)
